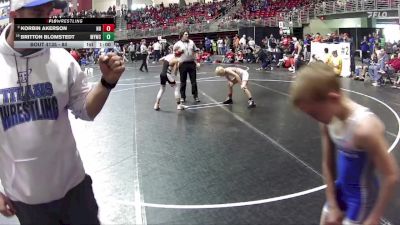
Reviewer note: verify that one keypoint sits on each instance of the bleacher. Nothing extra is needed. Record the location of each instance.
(161, 16)
(259, 9)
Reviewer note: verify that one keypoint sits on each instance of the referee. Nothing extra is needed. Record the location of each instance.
(187, 65)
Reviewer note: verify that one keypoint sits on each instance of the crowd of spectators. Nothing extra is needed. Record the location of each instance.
(378, 61)
(173, 14)
(262, 9)
(259, 11)
(111, 12)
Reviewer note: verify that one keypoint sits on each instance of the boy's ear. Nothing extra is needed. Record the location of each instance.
(334, 96)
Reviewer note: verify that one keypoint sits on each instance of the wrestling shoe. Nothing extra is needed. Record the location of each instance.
(157, 107)
(181, 107)
(252, 104)
(228, 101)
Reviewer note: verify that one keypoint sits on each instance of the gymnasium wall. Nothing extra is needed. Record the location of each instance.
(84, 5)
(102, 5)
(146, 2)
(328, 26)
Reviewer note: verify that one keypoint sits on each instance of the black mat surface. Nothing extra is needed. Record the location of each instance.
(211, 163)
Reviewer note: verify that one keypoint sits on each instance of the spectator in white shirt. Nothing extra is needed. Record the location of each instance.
(131, 50)
(157, 51)
(243, 42)
(220, 44)
(252, 43)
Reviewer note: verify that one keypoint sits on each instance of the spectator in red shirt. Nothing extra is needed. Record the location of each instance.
(395, 63)
(317, 38)
(76, 56)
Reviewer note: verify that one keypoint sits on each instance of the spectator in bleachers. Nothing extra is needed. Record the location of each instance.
(157, 16)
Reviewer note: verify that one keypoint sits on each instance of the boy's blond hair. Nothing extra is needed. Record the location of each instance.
(313, 83)
(220, 71)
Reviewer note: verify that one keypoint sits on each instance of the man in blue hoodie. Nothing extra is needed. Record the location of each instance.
(207, 44)
(40, 168)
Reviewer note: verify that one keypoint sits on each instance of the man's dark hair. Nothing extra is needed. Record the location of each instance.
(182, 32)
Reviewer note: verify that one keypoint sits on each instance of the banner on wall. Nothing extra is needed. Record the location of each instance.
(343, 50)
(377, 14)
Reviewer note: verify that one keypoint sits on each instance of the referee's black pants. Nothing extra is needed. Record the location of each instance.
(144, 63)
(184, 69)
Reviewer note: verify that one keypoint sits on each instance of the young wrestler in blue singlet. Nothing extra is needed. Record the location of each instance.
(354, 148)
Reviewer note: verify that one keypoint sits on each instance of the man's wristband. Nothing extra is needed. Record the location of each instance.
(107, 85)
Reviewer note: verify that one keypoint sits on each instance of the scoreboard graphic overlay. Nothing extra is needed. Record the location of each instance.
(64, 33)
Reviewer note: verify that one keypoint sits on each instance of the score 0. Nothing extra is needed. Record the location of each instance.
(108, 27)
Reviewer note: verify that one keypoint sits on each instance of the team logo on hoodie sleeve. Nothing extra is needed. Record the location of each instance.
(27, 103)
